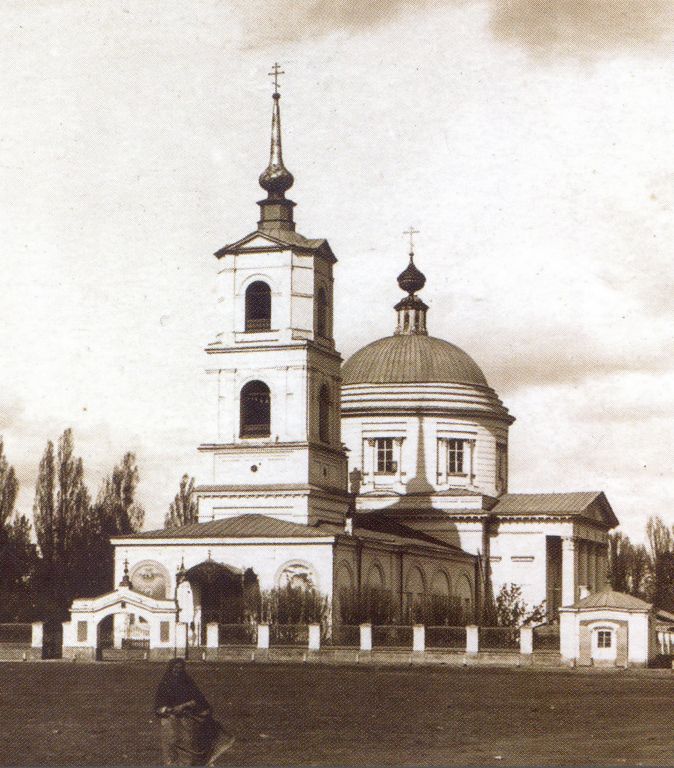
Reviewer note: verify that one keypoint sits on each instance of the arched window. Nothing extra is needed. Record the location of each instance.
(255, 410)
(324, 414)
(258, 307)
(322, 313)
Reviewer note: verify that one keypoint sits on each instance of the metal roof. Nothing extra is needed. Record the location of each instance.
(239, 527)
(609, 599)
(576, 503)
(410, 359)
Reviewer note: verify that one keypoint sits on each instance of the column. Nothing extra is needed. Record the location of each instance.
(592, 567)
(602, 565)
(568, 570)
(583, 552)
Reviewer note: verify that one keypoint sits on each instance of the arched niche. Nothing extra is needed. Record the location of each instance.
(150, 578)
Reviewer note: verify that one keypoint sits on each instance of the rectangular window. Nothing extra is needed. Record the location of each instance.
(82, 627)
(385, 463)
(164, 631)
(604, 638)
(455, 457)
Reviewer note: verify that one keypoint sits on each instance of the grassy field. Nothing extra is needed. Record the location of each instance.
(60, 713)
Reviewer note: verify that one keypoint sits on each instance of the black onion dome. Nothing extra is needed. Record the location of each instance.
(276, 180)
(411, 279)
(411, 359)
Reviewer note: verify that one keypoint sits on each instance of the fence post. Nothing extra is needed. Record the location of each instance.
(314, 637)
(181, 638)
(472, 639)
(526, 640)
(212, 635)
(419, 638)
(263, 636)
(366, 637)
(37, 635)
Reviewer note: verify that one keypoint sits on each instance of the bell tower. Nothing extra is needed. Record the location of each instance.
(276, 443)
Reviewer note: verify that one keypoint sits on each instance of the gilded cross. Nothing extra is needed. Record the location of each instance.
(275, 72)
(411, 232)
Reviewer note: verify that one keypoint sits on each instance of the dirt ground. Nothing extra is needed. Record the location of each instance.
(61, 713)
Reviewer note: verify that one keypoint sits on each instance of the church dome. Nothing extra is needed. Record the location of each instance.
(411, 359)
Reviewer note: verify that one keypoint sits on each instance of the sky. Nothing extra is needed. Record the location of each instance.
(528, 140)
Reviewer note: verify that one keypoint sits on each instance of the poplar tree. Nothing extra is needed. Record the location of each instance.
(183, 509)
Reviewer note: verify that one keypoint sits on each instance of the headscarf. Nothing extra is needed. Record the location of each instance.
(177, 687)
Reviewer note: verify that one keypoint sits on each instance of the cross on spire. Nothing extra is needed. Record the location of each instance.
(275, 72)
(411, 232)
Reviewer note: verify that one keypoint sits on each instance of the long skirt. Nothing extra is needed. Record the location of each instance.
(189, 740)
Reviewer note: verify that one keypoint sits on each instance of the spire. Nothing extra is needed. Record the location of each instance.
(126, 581)
(276, 179)
(411, 310)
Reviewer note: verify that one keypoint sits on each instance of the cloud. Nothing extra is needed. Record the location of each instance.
(577, 28)
(583, 27)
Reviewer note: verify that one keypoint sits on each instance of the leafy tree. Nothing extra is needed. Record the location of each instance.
(9, 487)
(661, 543)
(513, 611)
(183, 509)
(17, 553)
(115, 513)
(63, 523)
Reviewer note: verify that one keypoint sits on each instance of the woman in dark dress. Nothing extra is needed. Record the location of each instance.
(189, 734)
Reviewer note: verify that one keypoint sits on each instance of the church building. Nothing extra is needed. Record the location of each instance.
(386, 473)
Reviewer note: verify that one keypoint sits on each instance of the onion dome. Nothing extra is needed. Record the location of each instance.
(411, 279)
(411, 359)
(276, 179)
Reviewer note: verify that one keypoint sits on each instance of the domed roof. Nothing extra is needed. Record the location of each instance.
(411, 359)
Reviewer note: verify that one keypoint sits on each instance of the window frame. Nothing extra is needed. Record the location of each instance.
(604, 638)
(257, 429)
(456, 457)
(385, 464)
(261, 307)
(324, 420)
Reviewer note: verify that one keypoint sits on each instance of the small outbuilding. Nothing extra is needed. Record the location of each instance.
(608, 628)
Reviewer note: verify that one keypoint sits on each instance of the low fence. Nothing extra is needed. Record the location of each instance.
(499, 638)
(546, 638)
(343, 636)
(20, 641)
(237, 634)
(446, 638)
(392, 636)
(289, 634)
(470, 640)
(16, 634)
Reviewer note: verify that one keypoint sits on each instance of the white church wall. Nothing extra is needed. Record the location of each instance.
(266, 558)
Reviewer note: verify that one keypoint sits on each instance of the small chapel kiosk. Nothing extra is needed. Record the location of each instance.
(387, 475)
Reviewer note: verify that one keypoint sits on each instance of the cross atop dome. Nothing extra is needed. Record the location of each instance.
(276, 179)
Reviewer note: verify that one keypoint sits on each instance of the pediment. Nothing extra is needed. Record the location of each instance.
(257, 241)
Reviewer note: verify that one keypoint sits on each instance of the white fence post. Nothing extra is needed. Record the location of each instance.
(314, 637)
(366, 637)
(212, 635)
(263, 636)
(526, 640)
(472, 639)
(37, 635)
(181, 638)
(419, 638)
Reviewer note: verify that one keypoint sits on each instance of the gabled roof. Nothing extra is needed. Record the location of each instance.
(239, 527)
(285, 238)
(589, 504)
